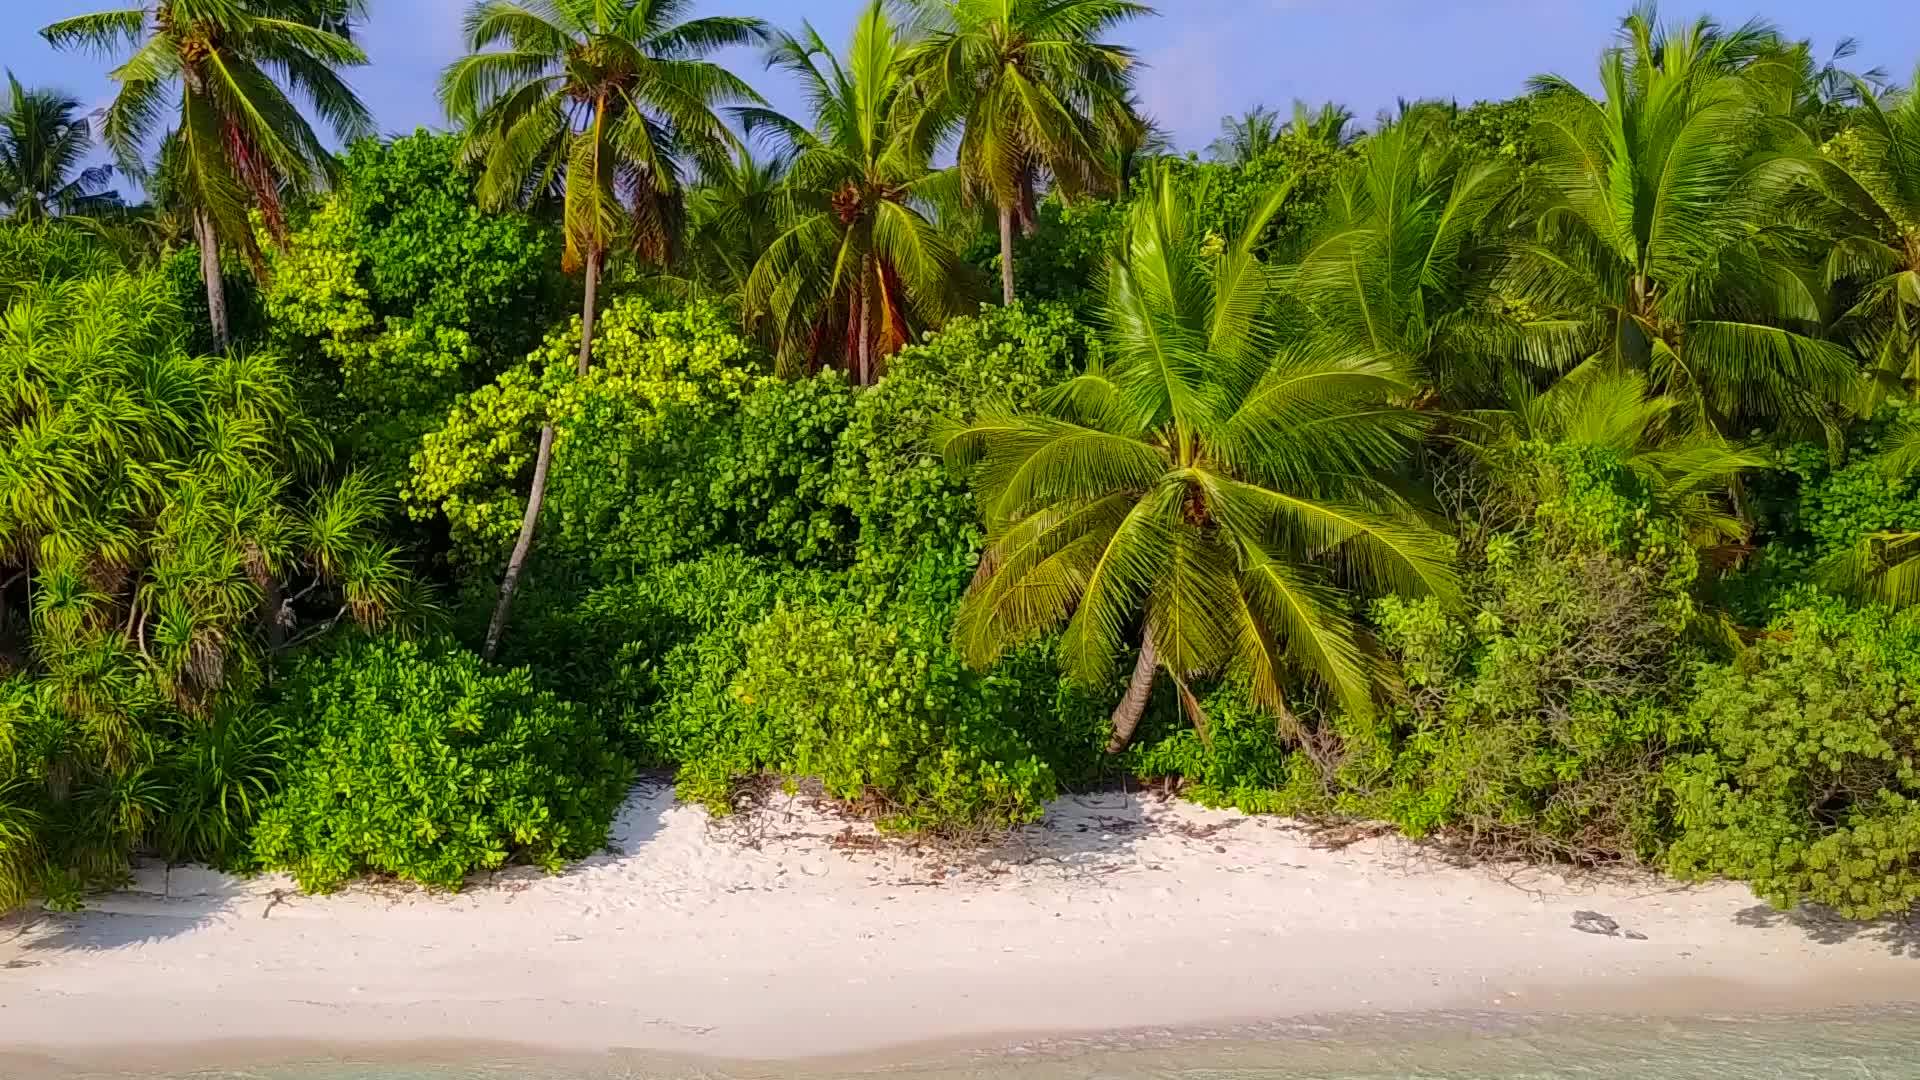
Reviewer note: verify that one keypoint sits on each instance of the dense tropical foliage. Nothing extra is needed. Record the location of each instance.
(1540, 477)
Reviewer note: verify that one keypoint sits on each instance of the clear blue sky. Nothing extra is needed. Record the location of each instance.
(1206, 58)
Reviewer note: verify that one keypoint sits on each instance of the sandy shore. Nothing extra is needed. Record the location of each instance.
(786, 934)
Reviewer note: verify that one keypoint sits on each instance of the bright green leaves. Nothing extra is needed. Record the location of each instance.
(1810, 793)
(650, 368)
(426, 764)
(410, 292)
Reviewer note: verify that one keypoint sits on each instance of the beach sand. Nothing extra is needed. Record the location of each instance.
(787, 933)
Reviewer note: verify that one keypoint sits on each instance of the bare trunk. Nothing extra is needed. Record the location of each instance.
(273, 609)
(587, 313)
(863, 374)
(210, 270)
(1126, 716)
(542, 463)
(1006, 254)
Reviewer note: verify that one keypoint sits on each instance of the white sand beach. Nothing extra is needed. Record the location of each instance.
(788, 933)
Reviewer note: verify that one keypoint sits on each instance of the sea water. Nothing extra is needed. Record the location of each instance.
(1855, 1046)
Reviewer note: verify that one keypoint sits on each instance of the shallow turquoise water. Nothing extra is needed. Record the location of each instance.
(1878, 1046)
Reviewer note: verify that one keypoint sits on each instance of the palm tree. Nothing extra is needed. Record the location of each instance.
(1257, 132)
(1685, 474)
(734, 214)
(1206, 488)
(1028, 81)
(240, 141)
(1869, 176)
(43, 140)
(607, 102)
(1396, 266)
(1331, 125)
(1247, 137)
(1662, 246)
(1130, 140)
(861, 267)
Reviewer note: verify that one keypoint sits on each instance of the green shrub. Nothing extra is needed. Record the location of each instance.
(1808, 789)
(883, 712)
(619, 495)
(402, 293)
(427, 764)
(916, 525)
(1242, 760)
(668, 646)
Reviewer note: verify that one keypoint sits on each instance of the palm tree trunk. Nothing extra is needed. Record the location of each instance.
(1006, 254)
(210, 270)
(1126, 716)
(863, 373)
(587, 312)
(542, 463)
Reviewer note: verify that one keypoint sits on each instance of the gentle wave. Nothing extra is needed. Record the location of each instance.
(1879, 1045)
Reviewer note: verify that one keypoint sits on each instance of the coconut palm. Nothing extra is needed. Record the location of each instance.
(1206, 488)
(1331, 125)
(1596, 407)
(1247, 137)
(1869, 177)
(608, 102)
(1257, 132)
(1395, 268)
(1027, 81)
(1662, 246)
(862, 266)
(44, 139)
(240, 141)
(734, 214)
(1130, 140)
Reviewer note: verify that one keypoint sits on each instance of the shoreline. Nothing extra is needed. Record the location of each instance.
(790, 935)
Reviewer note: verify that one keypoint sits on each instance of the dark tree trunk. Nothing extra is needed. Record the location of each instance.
(210, 270)
(1126, 716)
(542, 463)
(863, 374)
(1006, 255)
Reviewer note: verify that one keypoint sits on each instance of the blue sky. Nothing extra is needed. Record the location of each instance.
(1206, 58)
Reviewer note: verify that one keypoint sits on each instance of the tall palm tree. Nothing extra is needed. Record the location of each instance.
(1396, 267)
(861, 267)
(1206, 488)
(1870, 179)
(607, 102)
(44, 139)
(1027, 81)
(1662, 246)
(240, 143)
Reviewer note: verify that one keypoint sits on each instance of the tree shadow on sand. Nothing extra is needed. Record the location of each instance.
(119, 920)
(1900, 937)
